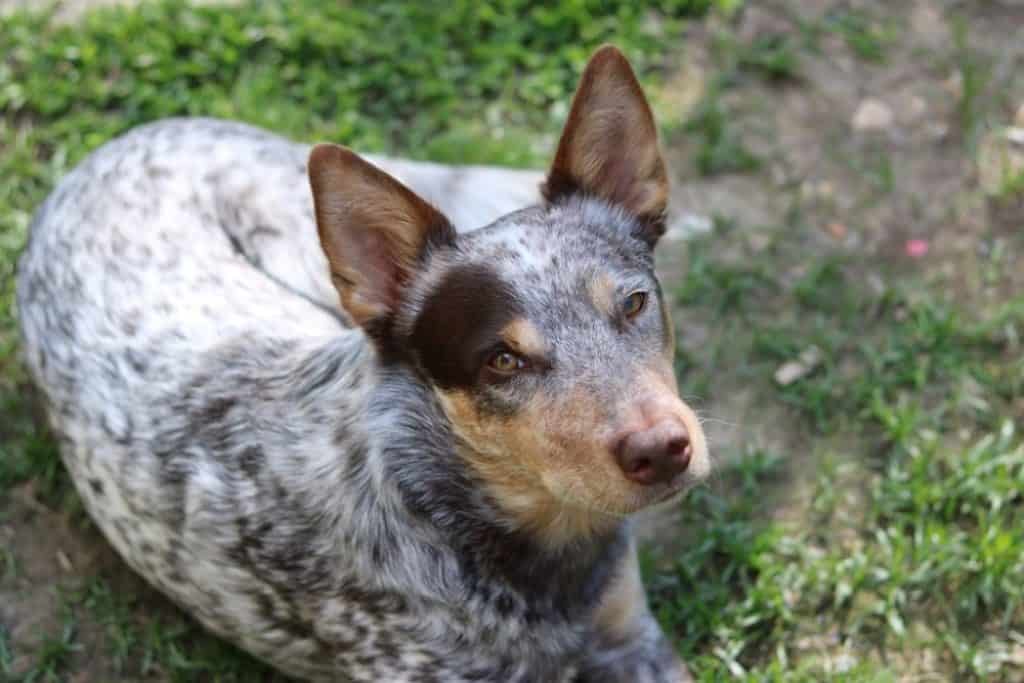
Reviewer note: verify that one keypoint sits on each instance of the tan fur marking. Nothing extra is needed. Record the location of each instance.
(543, 467)
(549, 467)
(624, 603)
(523, 336)
(602, 292)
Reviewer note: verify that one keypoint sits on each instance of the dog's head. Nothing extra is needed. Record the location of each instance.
(544, 335)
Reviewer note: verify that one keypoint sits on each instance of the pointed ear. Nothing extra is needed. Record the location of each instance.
(609, 148)
(373, 229)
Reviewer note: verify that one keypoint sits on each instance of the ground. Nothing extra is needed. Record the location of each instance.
(845, 266)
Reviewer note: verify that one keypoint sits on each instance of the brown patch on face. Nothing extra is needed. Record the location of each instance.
(541, 465)
(550, 465)
(602, 291)
(461, 320)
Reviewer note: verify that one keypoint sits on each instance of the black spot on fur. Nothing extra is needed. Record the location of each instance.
(252, 460)
(216, 410)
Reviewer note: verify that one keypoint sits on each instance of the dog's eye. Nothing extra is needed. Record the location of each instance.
(634, 303)
(505, 362)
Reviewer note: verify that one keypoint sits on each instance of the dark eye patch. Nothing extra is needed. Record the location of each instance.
(460, 323)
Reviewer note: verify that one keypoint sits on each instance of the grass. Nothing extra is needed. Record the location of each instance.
(866, 37)
(881, 540)
(904, 549)
(974, 76)
(720, 148)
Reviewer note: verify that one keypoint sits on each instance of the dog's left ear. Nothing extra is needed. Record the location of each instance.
(609, 147)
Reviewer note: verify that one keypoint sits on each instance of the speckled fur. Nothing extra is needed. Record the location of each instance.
(248, 451)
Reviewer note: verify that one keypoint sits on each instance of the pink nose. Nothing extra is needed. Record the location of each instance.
(655, 455)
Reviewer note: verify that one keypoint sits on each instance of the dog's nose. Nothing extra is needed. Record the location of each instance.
(655, 455)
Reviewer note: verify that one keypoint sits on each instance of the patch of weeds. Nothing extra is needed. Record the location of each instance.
(720, 148)
(6, 656)
(933, 563)
(1012, 185)
(974, 76)
(114, 613)
(865, 37)
(903, 559)
(53, 655)
(772, 56)
(922, 348)
(182, 652)
(826, 288)
(32, 454)
(719, 569)
(722, 287)
(166, 643)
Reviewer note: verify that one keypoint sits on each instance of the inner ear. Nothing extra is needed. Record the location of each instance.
(609, 147)
(374, 231)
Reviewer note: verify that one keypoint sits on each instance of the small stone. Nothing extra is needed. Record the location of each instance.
(814, 191)
(794, 370)
(837, 230)
(64, 561)
(872, 115)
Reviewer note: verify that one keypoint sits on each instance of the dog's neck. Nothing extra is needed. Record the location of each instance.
(390, 472)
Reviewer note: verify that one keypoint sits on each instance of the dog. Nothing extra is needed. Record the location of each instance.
(357, 441)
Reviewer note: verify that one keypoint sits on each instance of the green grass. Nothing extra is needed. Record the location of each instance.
(866, 37)
(907, 542)
(720, 147)
(974, 72)
(888, 544)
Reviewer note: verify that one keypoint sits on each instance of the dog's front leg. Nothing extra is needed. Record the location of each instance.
(628, 645)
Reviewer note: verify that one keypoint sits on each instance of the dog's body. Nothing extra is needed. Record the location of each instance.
(339, 498)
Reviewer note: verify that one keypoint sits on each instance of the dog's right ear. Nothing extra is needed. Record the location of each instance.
(374, 230)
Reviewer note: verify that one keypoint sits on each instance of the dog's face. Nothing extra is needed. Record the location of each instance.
(545, 335)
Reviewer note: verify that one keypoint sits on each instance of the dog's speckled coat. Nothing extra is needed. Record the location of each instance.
(321, 496)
